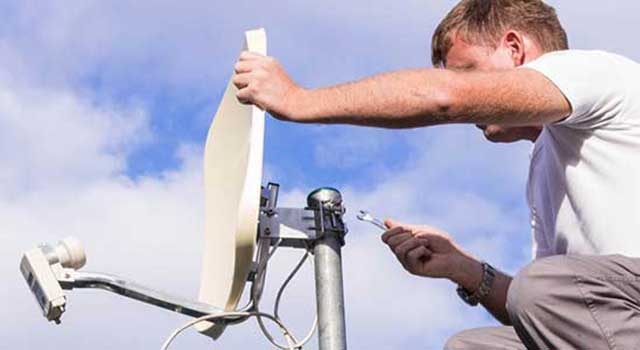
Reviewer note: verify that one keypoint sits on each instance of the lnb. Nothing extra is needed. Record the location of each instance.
(44, 267)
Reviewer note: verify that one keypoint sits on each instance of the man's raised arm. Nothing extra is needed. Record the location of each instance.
(406, 98)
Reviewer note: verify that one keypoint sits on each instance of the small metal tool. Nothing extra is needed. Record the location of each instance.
(367, 217)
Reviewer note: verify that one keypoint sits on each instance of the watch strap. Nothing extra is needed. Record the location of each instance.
(488, 275)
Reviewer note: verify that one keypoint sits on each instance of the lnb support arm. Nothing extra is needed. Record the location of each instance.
(50, 269)
(133, 290)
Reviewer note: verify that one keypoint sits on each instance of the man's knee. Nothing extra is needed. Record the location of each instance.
(533, 288)
(461, 341)
(485, 338)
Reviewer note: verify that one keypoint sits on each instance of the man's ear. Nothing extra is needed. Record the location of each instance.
(514, 42)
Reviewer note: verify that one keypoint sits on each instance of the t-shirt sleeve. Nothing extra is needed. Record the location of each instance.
(589, 82)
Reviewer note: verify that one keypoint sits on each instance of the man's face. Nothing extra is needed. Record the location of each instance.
(467, 57)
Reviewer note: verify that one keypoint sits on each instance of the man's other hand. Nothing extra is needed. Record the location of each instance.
(423, 250)
(263, 82)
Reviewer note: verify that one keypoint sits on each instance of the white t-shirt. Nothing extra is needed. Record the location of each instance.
(584, 180)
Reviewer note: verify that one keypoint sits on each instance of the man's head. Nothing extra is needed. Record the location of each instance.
(493, 35)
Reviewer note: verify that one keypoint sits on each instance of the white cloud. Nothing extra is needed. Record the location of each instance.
(53, 135)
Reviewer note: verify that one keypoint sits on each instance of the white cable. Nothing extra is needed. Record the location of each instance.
(287, 280)
(281, 291)
(288, 336)
(171, 338)
(292, 342)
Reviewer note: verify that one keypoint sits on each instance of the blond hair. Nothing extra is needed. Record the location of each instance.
(483, 22)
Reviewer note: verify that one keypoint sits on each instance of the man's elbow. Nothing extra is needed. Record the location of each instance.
(444, 103)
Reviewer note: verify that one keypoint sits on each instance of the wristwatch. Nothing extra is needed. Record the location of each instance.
(488, 274)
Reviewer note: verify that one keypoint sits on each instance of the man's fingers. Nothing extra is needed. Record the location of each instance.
(390, 223)
(241, 80)
(243, 67)
(247, 96)
(244, 95)
(416, 257)
(403, 248)
(398, 239)
(390, 233)
(248, 56)
(419, 254)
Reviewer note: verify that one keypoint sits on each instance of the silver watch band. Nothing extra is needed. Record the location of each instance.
(488, 275)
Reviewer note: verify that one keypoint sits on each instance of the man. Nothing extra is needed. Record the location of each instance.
(508, 71)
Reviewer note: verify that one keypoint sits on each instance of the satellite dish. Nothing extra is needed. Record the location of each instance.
(232, 181)
(239, 218)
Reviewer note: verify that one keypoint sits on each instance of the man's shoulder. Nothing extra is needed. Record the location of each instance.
(600, 86)
(578, 56)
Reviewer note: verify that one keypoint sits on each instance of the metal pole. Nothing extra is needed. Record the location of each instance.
(329, 294)
(328, 270)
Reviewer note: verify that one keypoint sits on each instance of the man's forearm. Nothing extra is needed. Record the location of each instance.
(402, 99)
(469, 275)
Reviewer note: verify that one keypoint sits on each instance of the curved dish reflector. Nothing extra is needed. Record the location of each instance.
(232, 179)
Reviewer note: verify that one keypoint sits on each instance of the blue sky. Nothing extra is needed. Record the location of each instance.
(104, 109)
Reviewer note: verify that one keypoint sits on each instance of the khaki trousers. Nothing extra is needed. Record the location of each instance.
(567, 302)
